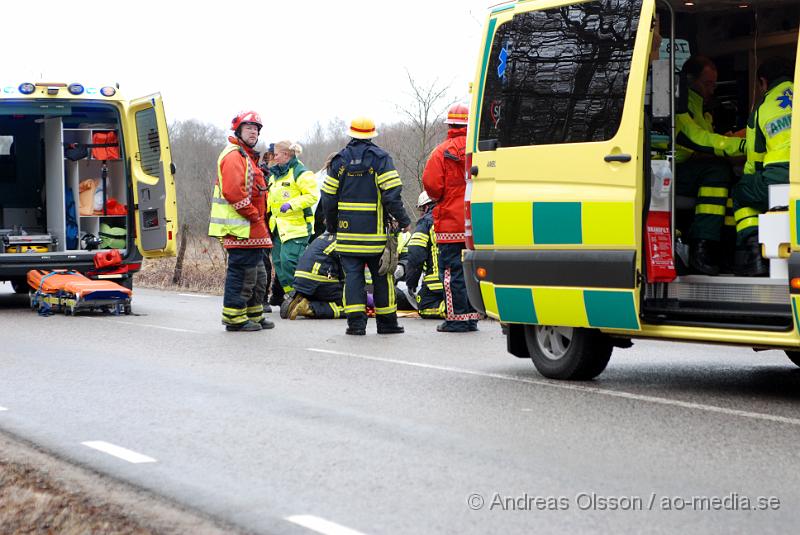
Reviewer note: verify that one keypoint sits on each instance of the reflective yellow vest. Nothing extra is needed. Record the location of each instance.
(695, 132)
(773, 124)
(302, 192)
(225, 220)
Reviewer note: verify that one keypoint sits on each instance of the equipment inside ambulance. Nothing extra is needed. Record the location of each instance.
(611, 167)
(82, 170)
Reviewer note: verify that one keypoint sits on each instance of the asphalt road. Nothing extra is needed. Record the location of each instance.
(416, 433)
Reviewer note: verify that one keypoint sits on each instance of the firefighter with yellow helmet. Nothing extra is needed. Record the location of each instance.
(359, 194)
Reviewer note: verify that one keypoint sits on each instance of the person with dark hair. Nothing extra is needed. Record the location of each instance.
(701, 171)
(769, 133)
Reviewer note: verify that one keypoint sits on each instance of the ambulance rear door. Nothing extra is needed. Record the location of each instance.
(152, 171)
(557, 143)
(794, 200)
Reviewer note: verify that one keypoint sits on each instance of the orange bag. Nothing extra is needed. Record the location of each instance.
(111, 152)
(105, 259)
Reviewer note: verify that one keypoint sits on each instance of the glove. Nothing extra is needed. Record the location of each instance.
(285, 207)
(399, 272)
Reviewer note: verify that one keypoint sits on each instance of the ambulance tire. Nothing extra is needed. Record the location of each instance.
(794, 356)
(568, 353)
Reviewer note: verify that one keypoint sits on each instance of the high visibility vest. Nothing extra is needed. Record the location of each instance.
(773, 124)
(695, 132)
(298, 187)
(225, 220)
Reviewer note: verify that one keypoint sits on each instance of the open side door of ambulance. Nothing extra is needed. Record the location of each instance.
(556, 205)
(151, 168)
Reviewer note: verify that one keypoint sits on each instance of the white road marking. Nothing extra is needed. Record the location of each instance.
(3, 409)
(579, 388)
(135, 324)
(118, 451)
(195, 295)
(320, 525)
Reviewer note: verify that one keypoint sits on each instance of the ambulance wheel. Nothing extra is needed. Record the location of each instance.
(19, 286)
(794, 356)
(567, 352)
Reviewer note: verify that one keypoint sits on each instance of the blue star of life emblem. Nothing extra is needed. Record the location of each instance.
(501, 69)
(785, 100)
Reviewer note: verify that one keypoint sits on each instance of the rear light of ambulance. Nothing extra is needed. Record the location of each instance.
(469, 241)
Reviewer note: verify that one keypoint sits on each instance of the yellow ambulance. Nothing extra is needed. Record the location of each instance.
(82, 170)
(572, 137)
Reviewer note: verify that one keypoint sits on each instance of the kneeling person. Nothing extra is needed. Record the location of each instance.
(317, 282)
(422, 261)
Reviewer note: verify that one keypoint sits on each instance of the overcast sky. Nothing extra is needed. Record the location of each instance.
(295, 62)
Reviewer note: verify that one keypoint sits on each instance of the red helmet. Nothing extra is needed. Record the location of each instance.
(457, 114)
(246, 117)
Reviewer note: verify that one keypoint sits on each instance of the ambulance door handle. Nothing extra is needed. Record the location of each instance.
(624, 158)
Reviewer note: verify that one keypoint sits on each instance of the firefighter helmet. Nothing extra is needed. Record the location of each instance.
(246, 117)
(423, 199)
(457, 114)
(362, 128)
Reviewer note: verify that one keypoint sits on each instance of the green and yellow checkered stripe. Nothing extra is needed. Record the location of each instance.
(567, 307)
(515, 224)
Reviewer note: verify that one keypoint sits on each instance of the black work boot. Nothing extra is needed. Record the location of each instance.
(357, 324)
(387, 324)
(248, 326)
(455, 327)
(702, 257)
(266, 324)
(749, 262)
(473, 325)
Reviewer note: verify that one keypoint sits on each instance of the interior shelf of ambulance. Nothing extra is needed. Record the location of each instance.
(724, 300)
(79, 205)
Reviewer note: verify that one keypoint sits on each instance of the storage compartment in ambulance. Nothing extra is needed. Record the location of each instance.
(702, 282)
(64, 191)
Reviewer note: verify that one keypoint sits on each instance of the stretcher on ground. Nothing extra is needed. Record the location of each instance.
(70, 292)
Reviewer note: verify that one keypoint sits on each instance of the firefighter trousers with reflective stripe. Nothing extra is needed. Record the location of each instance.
(325, 300)
(245, 286)
(285, 256)
(751, 198)
(355, 293)
(457, 306)
(708, 180)
(430, 304)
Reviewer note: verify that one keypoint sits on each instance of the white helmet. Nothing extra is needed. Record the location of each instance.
(423, 199)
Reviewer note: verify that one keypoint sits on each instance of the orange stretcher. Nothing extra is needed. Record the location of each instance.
(70, 291)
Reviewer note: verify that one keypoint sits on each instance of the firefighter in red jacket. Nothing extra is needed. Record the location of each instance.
(238, 207)
(443, 180)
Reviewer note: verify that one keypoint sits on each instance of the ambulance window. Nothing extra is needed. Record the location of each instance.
(149, 141)
(5, 145)
(559, 75)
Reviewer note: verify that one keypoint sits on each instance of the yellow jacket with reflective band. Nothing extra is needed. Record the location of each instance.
(695, 133)
(770, 127)
(225, 220)
(299, 188)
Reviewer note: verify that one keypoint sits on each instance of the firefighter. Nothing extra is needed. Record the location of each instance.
(769, 132)
(701, 172)
(293, 191)
(361, 190)
(238, 208)
(421, 259)
(444, 182)
(317, 282)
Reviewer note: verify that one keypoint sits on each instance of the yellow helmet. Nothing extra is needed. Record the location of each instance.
(362, 128)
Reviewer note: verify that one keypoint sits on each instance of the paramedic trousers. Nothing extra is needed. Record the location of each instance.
(325, 300)
(709, 181)
(751, 198)
(430, 303)
(355, 293)
(284, 258)
(451, 271)
(245, 286)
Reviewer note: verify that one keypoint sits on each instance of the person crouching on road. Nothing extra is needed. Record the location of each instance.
(361, 188)
(443, 180)
(293, 191)
(238, 207)
(318, 282)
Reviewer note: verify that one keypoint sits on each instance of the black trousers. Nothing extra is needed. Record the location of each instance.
(355, 293)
